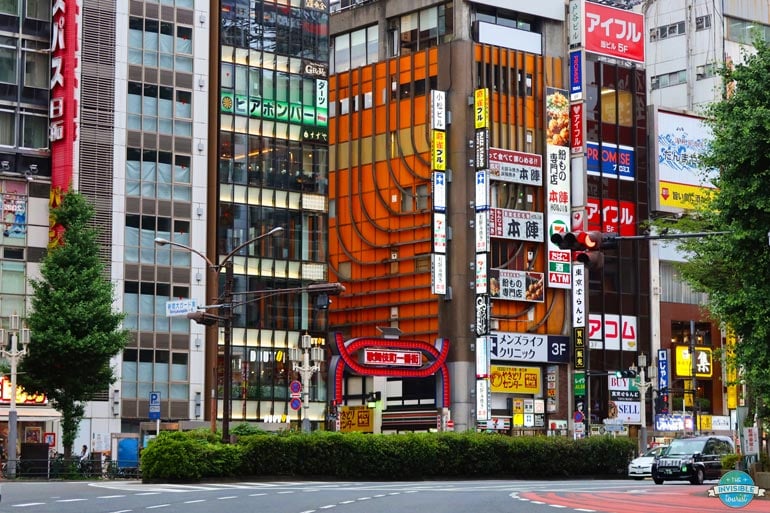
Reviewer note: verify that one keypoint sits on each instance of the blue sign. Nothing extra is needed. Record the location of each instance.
(576, 73)
(663, 381)
(736, 489)
(154, 405)
(617, 161)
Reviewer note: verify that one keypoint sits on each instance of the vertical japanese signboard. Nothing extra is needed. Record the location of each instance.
(64, 115)
(557, 174)
(438, 166)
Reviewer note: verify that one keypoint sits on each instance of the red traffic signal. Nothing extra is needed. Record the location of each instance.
(585, 241)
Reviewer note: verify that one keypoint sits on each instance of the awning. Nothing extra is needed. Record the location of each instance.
(31, 414)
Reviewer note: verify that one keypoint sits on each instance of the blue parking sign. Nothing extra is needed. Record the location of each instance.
(154, 405)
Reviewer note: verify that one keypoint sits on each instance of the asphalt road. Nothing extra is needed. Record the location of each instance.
(487, 496)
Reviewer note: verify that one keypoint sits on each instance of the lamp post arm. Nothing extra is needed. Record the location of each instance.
(242, 245)
(163, 242)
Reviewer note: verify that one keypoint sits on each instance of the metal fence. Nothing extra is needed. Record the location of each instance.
(67, 468)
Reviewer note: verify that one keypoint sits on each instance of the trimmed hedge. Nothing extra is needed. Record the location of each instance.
(192, 456)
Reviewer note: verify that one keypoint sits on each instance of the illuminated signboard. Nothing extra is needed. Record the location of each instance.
(63, 108)
(392, 357)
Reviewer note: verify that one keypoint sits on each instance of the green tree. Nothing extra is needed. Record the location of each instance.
(734, 268)
(74, 331)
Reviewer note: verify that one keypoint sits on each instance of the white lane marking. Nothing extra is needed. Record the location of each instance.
(110, 496)
(70, 500)
(148, 493)
(195, 501)
(28, 504)
(227, 497)
(328, 506)
(158, 506)
(257, 494)
(347, 502)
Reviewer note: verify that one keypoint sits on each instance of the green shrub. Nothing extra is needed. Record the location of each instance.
(730, 461)
(176, 456)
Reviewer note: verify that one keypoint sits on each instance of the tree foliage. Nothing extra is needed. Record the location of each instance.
(74, 331)
(734, 268)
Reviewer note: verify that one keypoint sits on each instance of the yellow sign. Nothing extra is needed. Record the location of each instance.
(481, 108)
(732, 371)
(672, 194)
(356, 418)
(703, 362)
(438, 150)
(517, 380)
(688, 394)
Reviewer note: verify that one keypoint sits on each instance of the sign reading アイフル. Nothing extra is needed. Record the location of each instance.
(181, 307)
(614, 32)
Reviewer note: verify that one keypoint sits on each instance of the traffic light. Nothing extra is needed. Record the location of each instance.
(586, 245)
(628, 373)
(661, 402)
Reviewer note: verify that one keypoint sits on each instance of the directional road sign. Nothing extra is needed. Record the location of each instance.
(181, 307)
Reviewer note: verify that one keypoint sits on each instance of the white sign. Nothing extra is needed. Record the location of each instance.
(438, 273)
(516, 224)
(438, 109)
(579, 302)
(482, 399)
(515, 166)
(481, 273)
(439, 232)
(391, 357)
(439, 191)
(482, 190)
(482, 357)
(482, 232)
(181, 307)
(608, 332)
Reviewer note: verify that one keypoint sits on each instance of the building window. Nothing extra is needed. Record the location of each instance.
(160, 175)
(703, 22)
(8, 60)
(144, 304)
(160, 44)
(742, 31)
(146, 370)
(666, 31)
(705, 71)
(7, 127)
(421, 29)
(34, 131)
(668, 79)
(355, 49)
(11, 7)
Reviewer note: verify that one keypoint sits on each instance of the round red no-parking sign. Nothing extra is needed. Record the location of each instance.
(295, 387)
(295, 403)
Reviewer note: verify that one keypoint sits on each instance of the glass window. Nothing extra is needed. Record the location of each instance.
(7, 63)
(38, 10)
(35, 131)
(36, 70)
(7, 128)
(11, 7)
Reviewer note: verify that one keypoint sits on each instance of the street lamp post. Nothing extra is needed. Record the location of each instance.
(13, 354)
(300, 358)
(226, 319)
(642, 385)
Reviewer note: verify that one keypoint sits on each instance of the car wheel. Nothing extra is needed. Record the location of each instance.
(697, 479)
(657, 480)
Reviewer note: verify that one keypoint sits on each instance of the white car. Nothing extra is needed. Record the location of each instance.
(641, 467)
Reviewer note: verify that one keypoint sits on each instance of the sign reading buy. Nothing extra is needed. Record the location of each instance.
(614, 32)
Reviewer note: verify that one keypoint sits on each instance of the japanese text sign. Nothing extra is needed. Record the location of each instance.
(614, 32)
